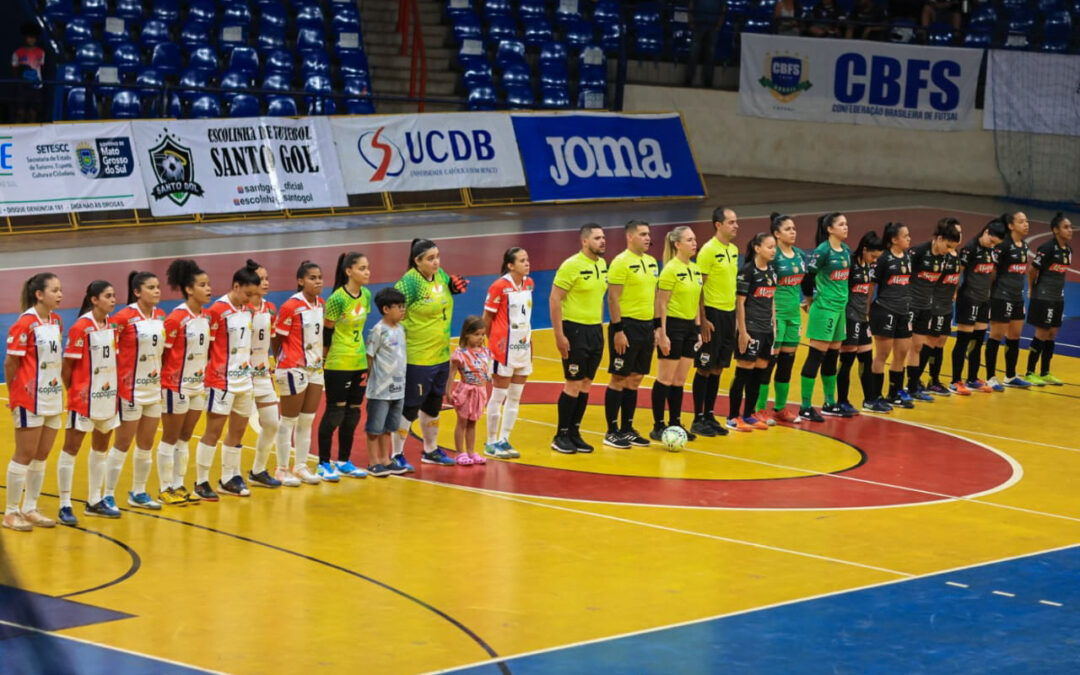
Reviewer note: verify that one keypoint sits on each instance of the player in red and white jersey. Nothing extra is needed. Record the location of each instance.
(89, 374)
(298, 341)
(187, 343)
(267, 419)
(32, 370)
(508, 317)
(140, 341)
(229, 387)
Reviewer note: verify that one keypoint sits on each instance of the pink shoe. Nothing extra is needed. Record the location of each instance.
(477, 459)
(464, 460)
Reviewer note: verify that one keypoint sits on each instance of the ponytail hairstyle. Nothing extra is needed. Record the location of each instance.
(246, 275)
(301, 272)
(418, 248)
(823, 224)
(181, 274)
(756, 241)
(996, 228)
(869, 242)
(1008, 217)
(776, 221)
(1057, 220)
(344, 262)
(672, 238)
(94, 290)
(33, 285)
(509, 256)
(472, 324)
(136, 280)
(891, 232)
(948, 229)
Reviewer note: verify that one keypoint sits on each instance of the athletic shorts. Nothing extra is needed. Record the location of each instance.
(221, 402)
(759, 347)
(345, 386)
(886, 324)
(586, 350)
(1045, 313)
(1002, 311)
(826, 325)
(425, 384)
(293, 381)
(85, 424)
(787, 332)
(179, 403)
(858, 333)
(24, 419)
(683, 334)
(969, 313)
(637, 359)
(264, 390)
(133, 412)
(506, 371)
(716, 353)
(928, 323)
(383, 417)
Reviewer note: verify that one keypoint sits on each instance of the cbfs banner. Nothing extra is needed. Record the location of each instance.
(606, 156)
(252, 164)
(59, 168)
(427, 152)
(1037, 93)
(858, 82)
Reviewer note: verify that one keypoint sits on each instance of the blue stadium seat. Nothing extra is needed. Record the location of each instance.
(736, 9)
(78, 31)
(979, 38)
(244, 105)
(167, 58)
(79, 105)
(1020, 19)
(611, 33)
(58, 11)
(202, 10)
(592, 69)
(940, 34)
(344, 10)
(467, 26)
(501, 27)
(532, 9)
(204, 56)
(107, 79)
(281, 106)
(233, 81)
(206, 106)
(470, 51)
(236, 13)
(309, 38)
(478, 74)
(554, 72)
(116, 31)
(154, 32)
(650, 41)
(756, 23)
(244, 59)
(510, 52)
(309, 16)
(537, 31)
(315, 63)
(1056, 31)
(481, 98)
(519, 97)
(149, 77)
(125, 105)
(69, 72)
(277, 82)
(353, 63)
(983, 17)
(1047, 7)
(319, 101)
(567, 11)
(165, 10)
(342, 23)
(359, 106)
(191, 81)
(646, 14)
(129, 10)
(95, 10)
(279, 61)
(89, 55)
(455, 8)
(494, 8)
(578, 33)
(151, 86)
(127, 58)
(195, 33)
(607, 11)
(273, 16)
(554, 98)
(270, 37)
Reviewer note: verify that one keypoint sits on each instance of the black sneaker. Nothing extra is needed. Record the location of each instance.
(616, 439)
(716, 424)
(379, 470)
(563, 444)
(235, 486)
(689, 435)
(832, 410)
(205, 492)
(702, 428)
(811, 415)
(657, 433)
(899, 401)
(579, 443)
(634, 438)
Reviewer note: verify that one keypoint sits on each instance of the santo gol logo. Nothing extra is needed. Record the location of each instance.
(786, 76)
(175, 171)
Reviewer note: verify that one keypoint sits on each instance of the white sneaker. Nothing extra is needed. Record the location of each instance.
(287, 478)
(304, 474)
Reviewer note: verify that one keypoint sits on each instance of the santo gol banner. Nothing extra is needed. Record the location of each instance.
(858, 82)
(252, 164)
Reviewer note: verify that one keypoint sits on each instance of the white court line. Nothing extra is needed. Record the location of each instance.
(1050, 602)
(1004, 594)
(957, 584)
(105, 646)
(1001, 438)
(692, 622)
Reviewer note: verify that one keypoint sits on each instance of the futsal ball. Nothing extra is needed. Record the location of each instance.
(674, 439)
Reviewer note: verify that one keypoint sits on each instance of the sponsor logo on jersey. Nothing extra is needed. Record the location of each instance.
(764, 291)
(51, 388)
(1018, 268)
(899, 280)
(793, 280)
(929, 276)
(1058, 268)
(861, 289)
(984, 268)
(951, 279)
(839, 275)
(174, 168)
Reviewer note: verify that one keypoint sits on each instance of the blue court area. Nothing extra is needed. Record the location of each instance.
(1019, 616)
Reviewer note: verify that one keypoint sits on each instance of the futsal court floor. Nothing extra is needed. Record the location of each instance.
(941, 539)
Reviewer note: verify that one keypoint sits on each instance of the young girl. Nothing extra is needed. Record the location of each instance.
(857, 343)
(755, 322)
(1047, 305)
(32, 370)
(790, 267)
(930, 265)
(140, 343)
(298, 341)
(187, 343)
(89, 374)
(266, 398)
(1007, 302)
(473, 361)
(890, 317)
(941, 311)
(976, 261)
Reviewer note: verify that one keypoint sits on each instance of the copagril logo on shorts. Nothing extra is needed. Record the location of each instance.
(606, 157)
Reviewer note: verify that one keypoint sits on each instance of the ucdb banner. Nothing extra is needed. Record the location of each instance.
(606, 156)
(59, 168)
(426, 152)
(253, 164)
(1037, 93)
(858, 82)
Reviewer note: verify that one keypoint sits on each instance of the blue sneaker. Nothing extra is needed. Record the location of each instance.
(509, 449)
(1017, 381)
(106, 508)
(349, 469)
(327, 472)
(905, 397)
(995, 384)
(879, 406)
(495, 450)
(848, 409)
(922, 395)
(436, 456)
(263, 479)
(67, 516)
(143, 501)
(400, 462)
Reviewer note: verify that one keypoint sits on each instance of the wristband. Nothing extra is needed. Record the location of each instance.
(657, 323)
(616, 326)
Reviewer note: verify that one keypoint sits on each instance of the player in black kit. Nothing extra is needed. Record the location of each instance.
(1046, 279)
(929, 263)
(977, 260)
(1007, 302)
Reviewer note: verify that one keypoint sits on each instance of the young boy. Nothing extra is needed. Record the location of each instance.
(27, 63)
(386, 381)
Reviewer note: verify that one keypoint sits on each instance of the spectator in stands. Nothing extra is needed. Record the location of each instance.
(705, 19)
(27, 63)
(941, 11)
(784, 18)
(825, 19)
(868, 21)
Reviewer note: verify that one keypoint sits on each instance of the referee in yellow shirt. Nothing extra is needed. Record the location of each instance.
(577, 315)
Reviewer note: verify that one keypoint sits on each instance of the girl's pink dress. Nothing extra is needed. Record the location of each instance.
(470, 395)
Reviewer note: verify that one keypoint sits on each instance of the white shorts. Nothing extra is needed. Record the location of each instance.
(24, 419)
(133, 412)
(85, 424)
(264, 390)
(292, 381)
(221, 402)
(179, 403)
(505, 371)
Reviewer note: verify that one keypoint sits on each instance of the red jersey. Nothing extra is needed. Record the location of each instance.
(299, 325)
(92, 347)
(36, 386)
(140, 342)
(187, 342)
(229, 365)
(30, 57)
(511, 328)
(262, 324)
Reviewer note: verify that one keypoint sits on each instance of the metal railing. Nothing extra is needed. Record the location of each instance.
(409, 11)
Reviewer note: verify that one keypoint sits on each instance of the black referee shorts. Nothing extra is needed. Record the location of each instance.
(637, 359)
(716, 353)
(586, 350)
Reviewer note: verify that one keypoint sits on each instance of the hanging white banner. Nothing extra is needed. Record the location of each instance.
(858, 82)
(1028, 91)
(59, 168)
(252, 164)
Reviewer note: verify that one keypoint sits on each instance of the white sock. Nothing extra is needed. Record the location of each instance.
(494, 412)
(510, 412)
(429, 431)
(303, 438)
(230, 462)
(284, 441)
(181, 455)
(16, 478)
(166, 458)
(114, 464)
(35, 478)
(268, 426)
(397, 439)
(96, 472)
(140, 472)
(204, 459)
(65, 476)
